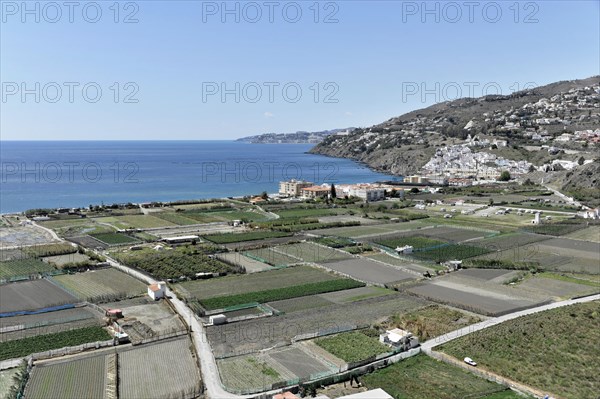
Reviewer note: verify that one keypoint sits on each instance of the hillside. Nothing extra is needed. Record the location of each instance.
(299, 137)
(528, 126)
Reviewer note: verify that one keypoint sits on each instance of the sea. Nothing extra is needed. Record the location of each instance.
(66, 174)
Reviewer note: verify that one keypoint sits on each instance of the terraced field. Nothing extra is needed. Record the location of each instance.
(162, 370)
(101, 285)
(74, 379)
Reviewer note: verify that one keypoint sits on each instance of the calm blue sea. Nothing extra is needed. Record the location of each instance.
(39, 174)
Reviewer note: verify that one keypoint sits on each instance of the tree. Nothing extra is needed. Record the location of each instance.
(504, 176)
(264, 195)
(333, 195)
(580, 161)
(414, 190)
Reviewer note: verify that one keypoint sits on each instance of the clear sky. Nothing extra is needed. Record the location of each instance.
(189, 70)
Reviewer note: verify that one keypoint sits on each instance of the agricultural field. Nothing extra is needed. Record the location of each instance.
(12, 254)
(24, 235)
(421, 377)
(251, 373)
(555, 229)
(403, 263)
(509, 241)
(310, 212)
(176, 218)
(353, 346)
(371, 230)
(241, 237)
(80, 378)
(135, 221)
(173, 263)
(59, 248)
(101, 285)
(365, 269)
(75, 227)
(258, 334)
(555, 254)
(311, 252)
(22, 347)
(485, 299)
(254, 373)
(17, 327)
(160, 370)
(278, 294)
(60, 261)
(329, 299)
(272, 257)
(414, 241)
(32, 295)
(591, 233)
(248, 264)
(556, 286)
(228, 285)
(450, 252)
(22, 268)
(114, 238)
(431, 321)
(535, 351)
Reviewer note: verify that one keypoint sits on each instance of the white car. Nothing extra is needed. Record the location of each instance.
(470, 361)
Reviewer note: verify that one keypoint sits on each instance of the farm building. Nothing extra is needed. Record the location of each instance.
(156, 291)
(180, 239)
(399, 338)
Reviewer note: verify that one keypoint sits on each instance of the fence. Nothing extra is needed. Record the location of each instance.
(70, 350)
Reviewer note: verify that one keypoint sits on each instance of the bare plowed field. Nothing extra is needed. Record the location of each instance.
(32, 295)
(367, 270)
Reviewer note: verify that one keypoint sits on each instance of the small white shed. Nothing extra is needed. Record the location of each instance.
(156, 291)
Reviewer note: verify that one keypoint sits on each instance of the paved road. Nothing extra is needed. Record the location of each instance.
(442, 339)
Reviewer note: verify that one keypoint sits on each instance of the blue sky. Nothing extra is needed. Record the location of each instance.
(162, 77)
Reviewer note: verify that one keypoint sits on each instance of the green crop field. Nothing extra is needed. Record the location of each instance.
(101, 285)
(114, 238)
(421, 377)
(415, 241)
(271, 256)
(431, 321)
(450, 252)
(278, 294)
(310, 212)
(23, 267)
(181, 261)
(176, 218)
(136, 221)
(41, 343)
(334, 242)
(61, 248)
(7, 381)
(352, 346)
(556, 351)
(240, 237)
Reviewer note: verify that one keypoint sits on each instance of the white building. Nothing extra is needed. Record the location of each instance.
(157, 291)
(398, 337)
(293, 187)
(407, 249)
